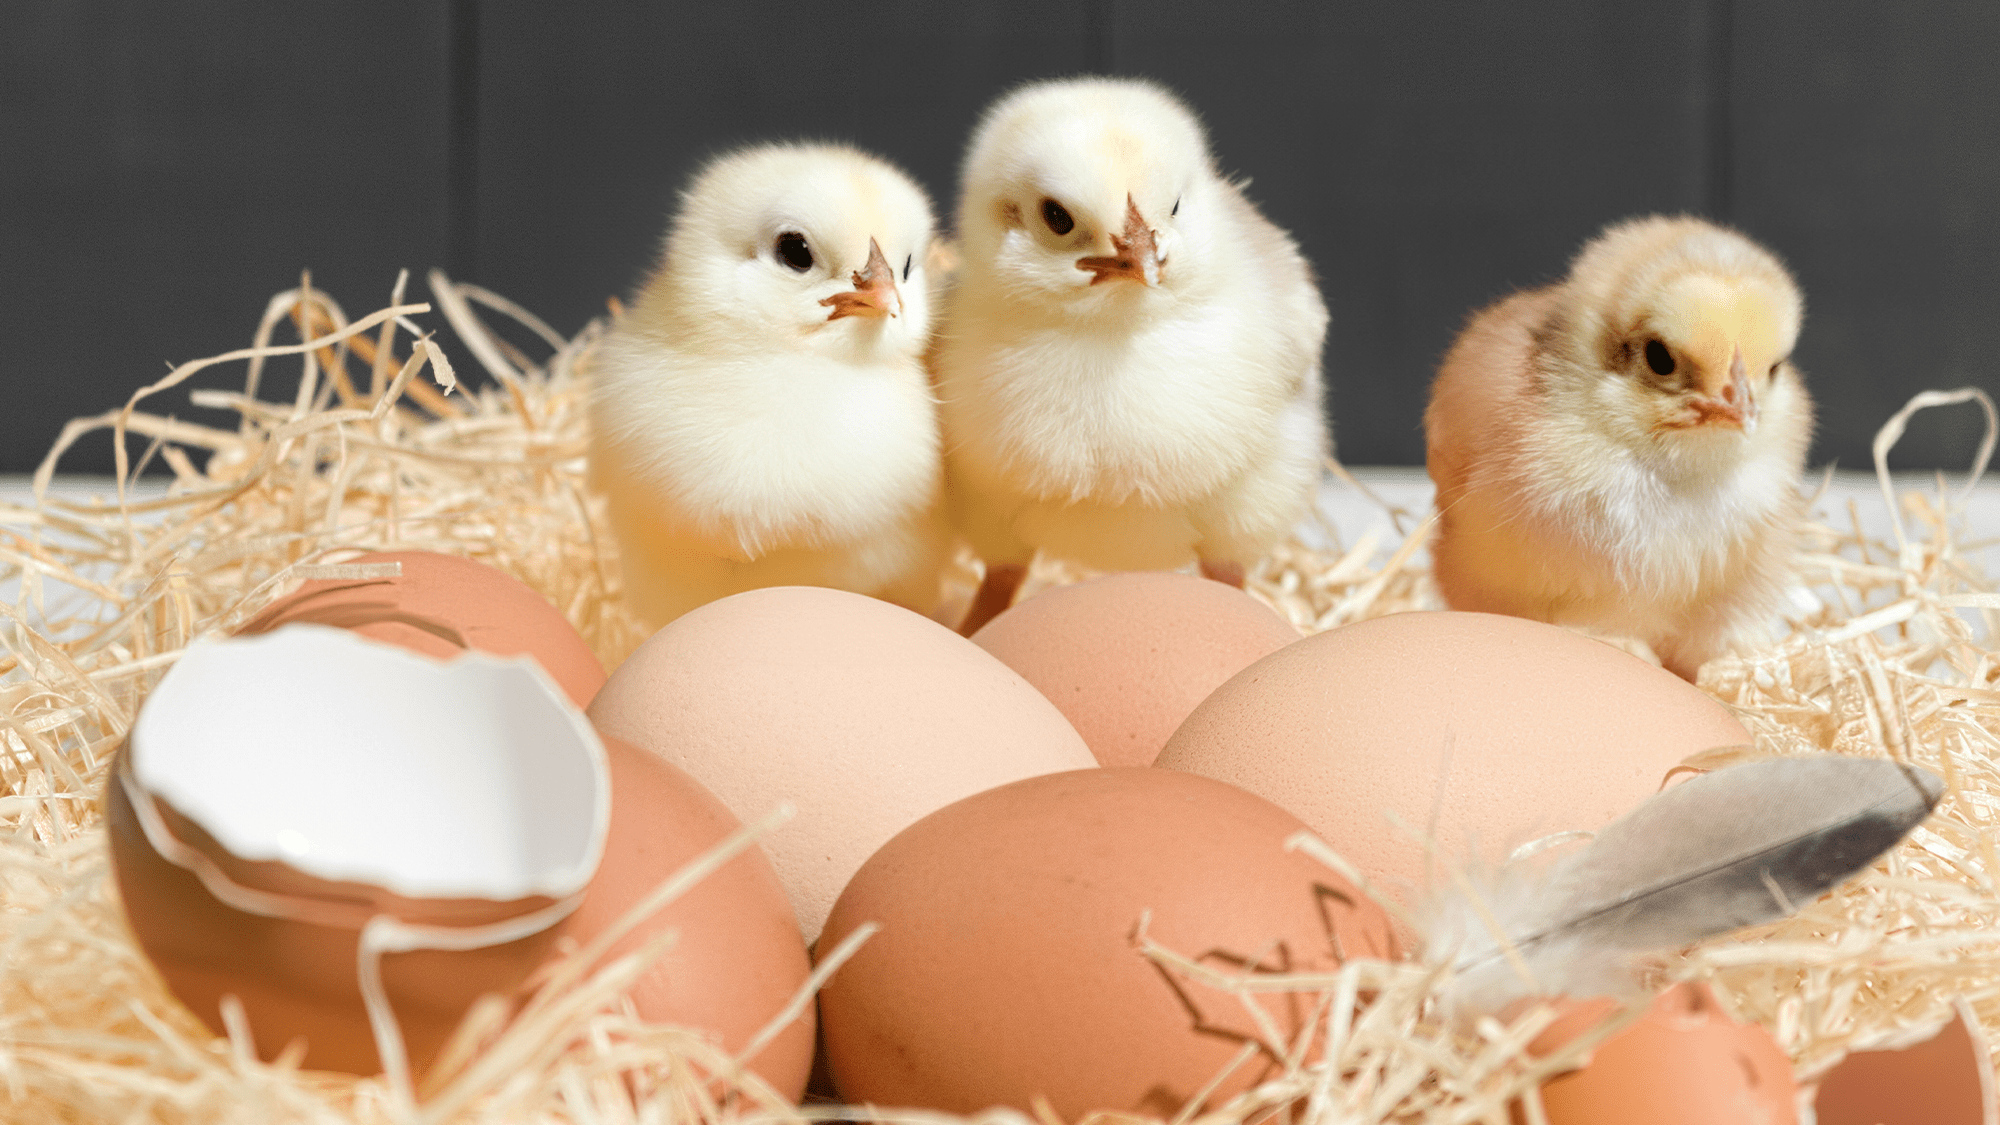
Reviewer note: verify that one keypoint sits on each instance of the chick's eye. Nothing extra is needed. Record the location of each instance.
(1774, 368)
(1659, 358)
(1176, 210)
(1057, 217)
(792, 250)
(912, 257)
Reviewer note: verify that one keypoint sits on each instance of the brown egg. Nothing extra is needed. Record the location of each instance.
(1683, 1061)
(1006, 968)
(1127, 656)
(863, 715)
(737, 957)
(1944, 1080)
(296, 979)
(440, 606)
(1497, 730)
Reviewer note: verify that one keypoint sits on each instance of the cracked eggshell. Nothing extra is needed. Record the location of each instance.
(1498, 730)
(441, 605)
(1683, 1061)
(355, 761)
(1007, 968)
(1125, 657)
(861, 714)
(342, 779)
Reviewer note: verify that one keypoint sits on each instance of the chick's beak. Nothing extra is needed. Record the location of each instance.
(1731, 403)
(874, 292)
(1137, 257)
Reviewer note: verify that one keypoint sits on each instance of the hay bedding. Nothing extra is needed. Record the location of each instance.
(364, 452)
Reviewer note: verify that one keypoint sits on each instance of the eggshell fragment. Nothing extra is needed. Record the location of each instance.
(1125, 657)
(1683, 1061)
(441, 605)
(281, 793)
(1481, 730)
(1007, 966)
(737, 957)
(1944, 1080)
(352, 760)
(296, 979)
(863, 715)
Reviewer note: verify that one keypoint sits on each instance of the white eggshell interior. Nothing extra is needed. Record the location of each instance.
(349, 759)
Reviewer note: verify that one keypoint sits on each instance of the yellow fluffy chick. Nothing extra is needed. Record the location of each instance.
(1128, 363)
(1621, 452)
(761, 415)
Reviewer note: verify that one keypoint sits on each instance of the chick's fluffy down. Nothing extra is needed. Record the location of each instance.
(743, 435)
(1138, 419)
(1621, 452)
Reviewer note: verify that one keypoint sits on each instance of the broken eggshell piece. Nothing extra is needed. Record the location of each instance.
(1685, 1060)
(353, 760)
(354, 840)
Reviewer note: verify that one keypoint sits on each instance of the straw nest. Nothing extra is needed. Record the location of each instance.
(368, 451)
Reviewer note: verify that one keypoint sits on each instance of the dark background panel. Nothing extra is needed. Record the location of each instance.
(165, 169)
(163, 172)
(590, 127)
(1431, 159)
(1867, 153)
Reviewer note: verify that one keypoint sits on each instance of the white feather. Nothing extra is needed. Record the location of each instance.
(1743, 845)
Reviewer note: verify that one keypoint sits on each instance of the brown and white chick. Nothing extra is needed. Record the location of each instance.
(1128, 362)
(1621, 452)
(761, 415)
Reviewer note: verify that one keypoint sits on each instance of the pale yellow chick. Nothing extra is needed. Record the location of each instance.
(1128, 363)
(1622, 452)
(761, 415)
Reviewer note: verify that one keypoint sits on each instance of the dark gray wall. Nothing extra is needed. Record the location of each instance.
(162, 172)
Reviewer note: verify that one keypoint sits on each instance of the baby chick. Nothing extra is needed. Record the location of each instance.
(1621, 452)
(1128, 366)
(761, 415)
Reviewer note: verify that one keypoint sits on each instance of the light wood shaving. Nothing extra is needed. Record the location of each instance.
(373, 449)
